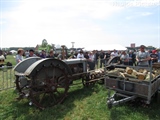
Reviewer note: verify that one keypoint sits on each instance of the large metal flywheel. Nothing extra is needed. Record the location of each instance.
(49, 82)
(49, 86)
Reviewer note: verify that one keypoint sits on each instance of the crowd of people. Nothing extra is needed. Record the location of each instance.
(97, 59)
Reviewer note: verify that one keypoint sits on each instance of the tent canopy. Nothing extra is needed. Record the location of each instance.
(105, 47)
(13, 51)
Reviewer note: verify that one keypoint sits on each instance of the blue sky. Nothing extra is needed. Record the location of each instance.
(26, 23)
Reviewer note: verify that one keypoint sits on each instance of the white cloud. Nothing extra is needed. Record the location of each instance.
(138, 14)
(2, 22)
(58, 21)
(129, 17)
(146, 13)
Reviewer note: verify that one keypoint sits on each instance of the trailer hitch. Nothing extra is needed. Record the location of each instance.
(112, 101)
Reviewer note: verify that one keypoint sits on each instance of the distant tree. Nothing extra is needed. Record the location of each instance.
(45, 46)
(44, 43)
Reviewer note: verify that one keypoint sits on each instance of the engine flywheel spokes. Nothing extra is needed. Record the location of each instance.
(49, 87)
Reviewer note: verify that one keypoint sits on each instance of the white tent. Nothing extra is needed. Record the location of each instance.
(13, 51)
(105, 47)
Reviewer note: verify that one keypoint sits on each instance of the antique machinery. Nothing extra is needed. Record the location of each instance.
(45, 82)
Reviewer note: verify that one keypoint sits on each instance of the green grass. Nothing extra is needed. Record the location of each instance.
(10, 58)
(81, 104)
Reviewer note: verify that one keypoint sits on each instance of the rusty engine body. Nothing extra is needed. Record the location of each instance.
(45, 82)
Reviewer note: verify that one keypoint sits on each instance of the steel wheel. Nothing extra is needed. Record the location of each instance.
(18, 87)
(22, 86)
(49, 86)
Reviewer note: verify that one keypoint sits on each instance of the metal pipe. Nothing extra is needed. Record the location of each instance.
(123, 100)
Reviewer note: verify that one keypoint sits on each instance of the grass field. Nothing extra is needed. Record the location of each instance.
(10, 58)
(81, 104)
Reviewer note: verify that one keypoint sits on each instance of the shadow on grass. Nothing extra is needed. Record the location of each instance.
(138, 111)
(22, 110)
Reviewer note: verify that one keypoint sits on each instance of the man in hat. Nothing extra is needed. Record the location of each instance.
(19, 56)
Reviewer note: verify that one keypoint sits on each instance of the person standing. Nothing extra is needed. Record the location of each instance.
(124, 58)
(96, 56)
(80, 55)
(91, 62)
(102, 57)
(19, 56)
(27, 53)
(108, 55)
(114, 53)
(43, 54)
(31, 53)
(132, 58)
(154, 56)
(51, 54)
(143, 57)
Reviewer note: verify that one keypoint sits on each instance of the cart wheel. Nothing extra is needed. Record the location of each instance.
(18, 87)
(22, 86)
(85, 80)
(49, 87)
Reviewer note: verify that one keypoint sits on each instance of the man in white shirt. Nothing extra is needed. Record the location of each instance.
(114, 53)
(80, 55)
